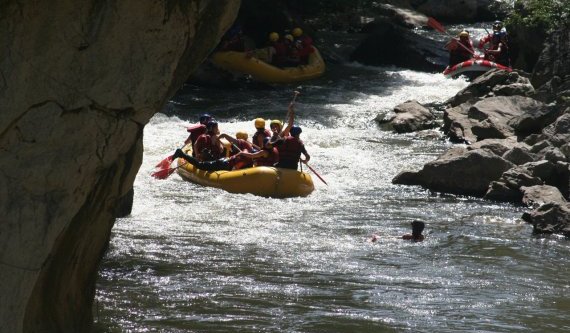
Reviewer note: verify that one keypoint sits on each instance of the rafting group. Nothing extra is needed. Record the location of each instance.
(494, 47)
(279, 147)
(286, 57)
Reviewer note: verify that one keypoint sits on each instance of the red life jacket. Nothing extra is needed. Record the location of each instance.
(205, 141)
(195, 131)
(259, 136)
(290, 150)
(244, 145)
(270, 160)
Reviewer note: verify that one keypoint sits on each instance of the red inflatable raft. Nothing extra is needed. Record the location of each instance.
(473, 65)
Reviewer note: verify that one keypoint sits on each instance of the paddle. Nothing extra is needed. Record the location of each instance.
(439, 27)
(317, 174)
(165, 173)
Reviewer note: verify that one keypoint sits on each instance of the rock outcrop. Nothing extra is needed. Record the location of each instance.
(78, 83)
(410, 116)
(519, 147)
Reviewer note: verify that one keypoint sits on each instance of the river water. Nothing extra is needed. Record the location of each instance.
(195, 259)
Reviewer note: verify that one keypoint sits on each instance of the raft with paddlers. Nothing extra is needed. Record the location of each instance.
(473, 65)
(262, 181)
(253, 64)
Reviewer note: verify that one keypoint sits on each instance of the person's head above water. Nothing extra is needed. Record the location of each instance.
(417, 227)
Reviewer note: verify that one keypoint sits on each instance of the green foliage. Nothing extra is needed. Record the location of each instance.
(540, 14)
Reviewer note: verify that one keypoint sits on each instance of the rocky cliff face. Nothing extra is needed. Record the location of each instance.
(78, 82)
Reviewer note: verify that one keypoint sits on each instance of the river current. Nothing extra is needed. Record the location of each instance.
(196, 259)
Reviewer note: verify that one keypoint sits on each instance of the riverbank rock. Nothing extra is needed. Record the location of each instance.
(78, 84)
(550, 218)
(493, 83)
(538, 195)
(552, 70)
(410, 116)
(458, 171)
(493, 118)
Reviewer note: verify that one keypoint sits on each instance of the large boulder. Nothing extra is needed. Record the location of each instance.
(406, 48)
(78, 84)
(488, 118)
(493, 83)
(411, 116)
(458, 171)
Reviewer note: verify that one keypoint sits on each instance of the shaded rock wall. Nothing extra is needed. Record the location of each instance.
(78, 82)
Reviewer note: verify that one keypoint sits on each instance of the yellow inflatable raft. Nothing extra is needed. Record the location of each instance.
(264, 72)
(262, 181)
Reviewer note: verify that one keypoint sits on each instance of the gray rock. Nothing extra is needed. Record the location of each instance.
(535, 116)
(519, 155)
(496, 146)
(458, 171)
(558, 133)
(411, 116)
(492, 83)
(551, 218)
(538, 195)
(457, 125)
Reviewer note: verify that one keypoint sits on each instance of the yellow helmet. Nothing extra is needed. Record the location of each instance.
(241, 135)
(273, 36)
(297, 32)
(464, 34)
(289, 37)
(259, 123)
(276, 122)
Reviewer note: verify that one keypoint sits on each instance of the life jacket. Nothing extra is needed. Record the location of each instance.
(290, 151)
(205, 142)
(195, 131)
(258, 137)
(270, 160)
(242, 162)
(280, 52)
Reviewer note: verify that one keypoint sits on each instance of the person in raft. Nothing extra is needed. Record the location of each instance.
(498, 50)
(208, 146)
(198, 129)
(276, 126)
(460, 49)
(260, 134)
(290, 149)
(267, 156)
(239, 144)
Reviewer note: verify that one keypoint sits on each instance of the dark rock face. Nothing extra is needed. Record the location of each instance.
(390, 44)
(77, 85)
(551, 74)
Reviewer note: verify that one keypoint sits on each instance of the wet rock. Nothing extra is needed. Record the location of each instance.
(411, 116)
(538, 195)
(493, 83)
(458, 171)
(550, 218)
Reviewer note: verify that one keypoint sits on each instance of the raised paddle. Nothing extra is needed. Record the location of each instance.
(317, 174)
(431, 22)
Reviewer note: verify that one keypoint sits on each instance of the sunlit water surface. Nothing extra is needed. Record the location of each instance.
(195, 259)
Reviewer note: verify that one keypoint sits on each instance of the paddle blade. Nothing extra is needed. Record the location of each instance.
(165, 163)
(163, 173)
(435, 24)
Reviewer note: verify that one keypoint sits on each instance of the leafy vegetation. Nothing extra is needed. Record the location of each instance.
(546, 15)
